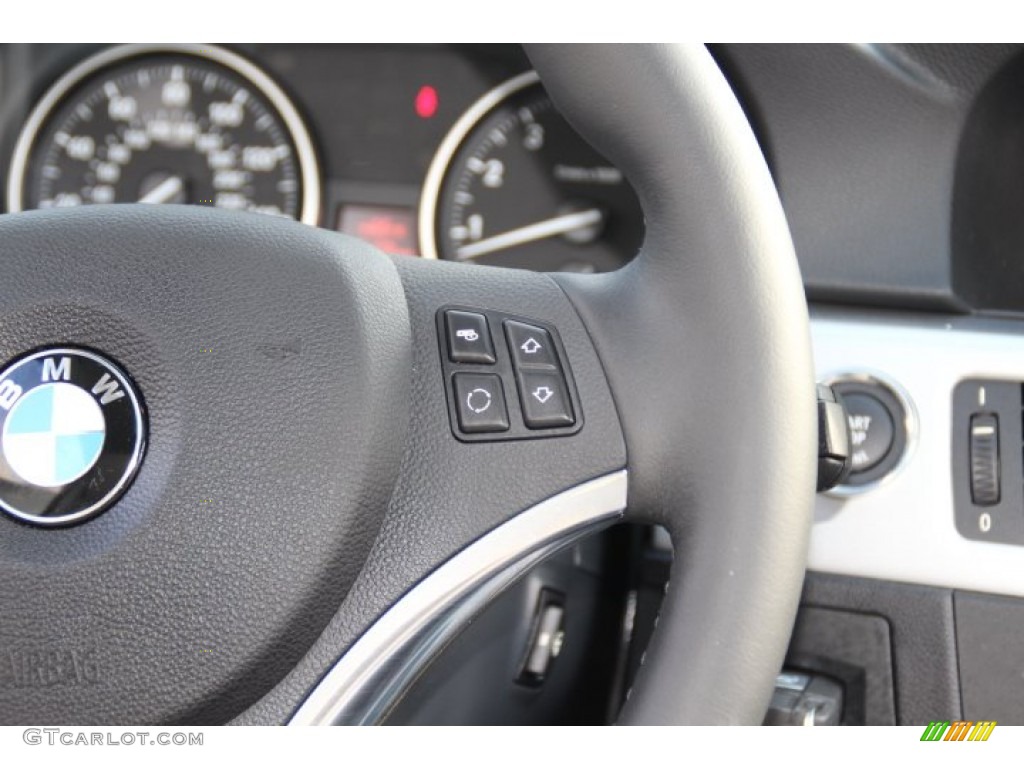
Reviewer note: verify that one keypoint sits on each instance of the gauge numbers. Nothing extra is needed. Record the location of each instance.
(514, 185)
(141, 125)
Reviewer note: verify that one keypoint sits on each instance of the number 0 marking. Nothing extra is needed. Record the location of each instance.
(985, 522)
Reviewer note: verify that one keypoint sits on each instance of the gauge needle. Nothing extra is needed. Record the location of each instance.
(557, 225)
(163, 191)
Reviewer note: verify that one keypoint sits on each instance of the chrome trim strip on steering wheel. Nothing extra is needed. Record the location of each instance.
(368, 680)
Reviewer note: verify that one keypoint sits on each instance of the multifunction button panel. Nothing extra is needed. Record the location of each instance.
(506, 377)
(988, 460)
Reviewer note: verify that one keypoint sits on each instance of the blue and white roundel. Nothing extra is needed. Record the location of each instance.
(54, 435)
(72, 435)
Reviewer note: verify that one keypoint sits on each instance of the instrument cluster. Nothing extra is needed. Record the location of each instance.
(444, 152)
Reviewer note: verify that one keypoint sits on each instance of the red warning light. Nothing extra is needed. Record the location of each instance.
(426, 102)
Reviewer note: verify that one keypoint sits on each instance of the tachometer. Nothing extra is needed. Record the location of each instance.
(166, 124)
(514, 185)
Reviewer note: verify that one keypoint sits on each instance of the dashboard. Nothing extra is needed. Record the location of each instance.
(898, 167)
(450, 152)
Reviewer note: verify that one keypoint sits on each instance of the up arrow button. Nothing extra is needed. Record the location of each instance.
(531, 346)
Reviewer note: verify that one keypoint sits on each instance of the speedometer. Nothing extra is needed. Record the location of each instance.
(166, 124)
(514, 185)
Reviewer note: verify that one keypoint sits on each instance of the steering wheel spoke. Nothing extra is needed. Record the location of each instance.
(470, 510)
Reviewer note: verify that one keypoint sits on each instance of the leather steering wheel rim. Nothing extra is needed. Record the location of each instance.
(728, 464)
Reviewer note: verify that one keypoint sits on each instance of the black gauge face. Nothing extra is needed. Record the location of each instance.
(524, 190)
(162, 128)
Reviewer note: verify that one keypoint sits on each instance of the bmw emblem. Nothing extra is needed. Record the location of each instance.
(72, 434)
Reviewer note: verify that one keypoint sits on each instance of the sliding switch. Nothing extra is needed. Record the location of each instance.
(985, 459)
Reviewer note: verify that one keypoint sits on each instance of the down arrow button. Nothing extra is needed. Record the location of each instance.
(544, 399)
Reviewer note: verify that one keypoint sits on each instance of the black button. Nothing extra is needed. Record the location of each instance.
(469, 339)
(530, 345)
(985, 459)
(480, 402)
(872, 430)
(545, 402)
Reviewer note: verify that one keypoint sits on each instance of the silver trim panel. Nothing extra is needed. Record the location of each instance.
(363, 685)
(904, 529)
(308, 167)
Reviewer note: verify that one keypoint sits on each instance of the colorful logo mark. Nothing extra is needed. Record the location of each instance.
(961, 730)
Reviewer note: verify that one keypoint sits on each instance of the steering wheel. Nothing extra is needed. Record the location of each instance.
(317, 513)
